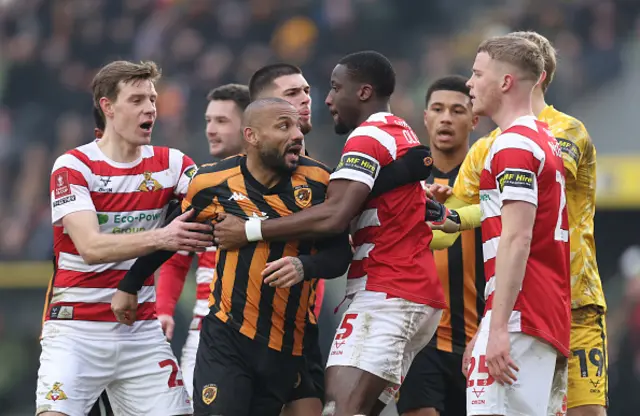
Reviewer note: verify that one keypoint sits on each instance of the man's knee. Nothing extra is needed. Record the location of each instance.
(589, 410)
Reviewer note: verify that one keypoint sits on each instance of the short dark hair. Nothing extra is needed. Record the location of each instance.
(237, 93)
(263, 78)
(98, 120)
(456, 83)
(373, 68)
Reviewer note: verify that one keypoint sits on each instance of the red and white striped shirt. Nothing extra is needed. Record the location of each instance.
(525, 164)
(126, 198)
(391, 238)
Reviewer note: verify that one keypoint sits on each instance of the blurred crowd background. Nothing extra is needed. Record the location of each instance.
(50, 50)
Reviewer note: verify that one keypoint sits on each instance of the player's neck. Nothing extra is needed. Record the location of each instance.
(266, 176)
(117, 149)
(511, 110)
(447, 161)
(373, 109)
(537, 102)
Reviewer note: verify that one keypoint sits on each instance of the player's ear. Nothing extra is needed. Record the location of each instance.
(507, 82)
(106, 107)
(474, 122)
(365, 92)
(543, 76)
(249, 135)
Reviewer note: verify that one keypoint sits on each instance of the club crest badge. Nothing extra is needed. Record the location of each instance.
(209, 393)
(149, 184)
(302, 195)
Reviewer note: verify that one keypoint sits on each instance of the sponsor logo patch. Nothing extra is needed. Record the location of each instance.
(64, 200)
(359, 162)
(515, 178)
(62, 187)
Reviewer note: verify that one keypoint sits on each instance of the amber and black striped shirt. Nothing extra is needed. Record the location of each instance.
(238, 295)
(461, 271)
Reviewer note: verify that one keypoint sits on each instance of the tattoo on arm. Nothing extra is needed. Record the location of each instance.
(297, 264)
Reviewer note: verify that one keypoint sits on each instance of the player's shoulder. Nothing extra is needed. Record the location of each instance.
(210, 175)
(79, 158)
(312, 163)
(483, 144)
(230, 165)
(313, 169)
(560, 121)
(385, 122)
(384, 128)
(524, 134)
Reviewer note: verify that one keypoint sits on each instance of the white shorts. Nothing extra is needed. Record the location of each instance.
(141, 376)
(382, 336)
(541, 381)
(188, 359)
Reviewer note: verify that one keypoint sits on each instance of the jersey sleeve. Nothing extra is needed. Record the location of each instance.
(467, 185)
(515, 162)
(69, 188)
(183, 168)
(574, 143)
(366, 151)
(201, 197)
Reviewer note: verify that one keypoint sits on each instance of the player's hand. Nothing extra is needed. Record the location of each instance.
(501, 367)
(181, 234)
(440, 192)
(229, 232)
(168, 324)
(441, 218)
(124, 306)
(284, 272)
(353, 249)
(466, 357)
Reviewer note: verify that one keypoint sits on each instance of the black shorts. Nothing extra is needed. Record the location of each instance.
(435, 380)
(238, 376)
(102, 406)
(310, 383)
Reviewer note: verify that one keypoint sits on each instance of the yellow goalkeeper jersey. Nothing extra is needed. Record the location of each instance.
(579, 156)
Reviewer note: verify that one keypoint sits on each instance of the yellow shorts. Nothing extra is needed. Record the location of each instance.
(588, 362)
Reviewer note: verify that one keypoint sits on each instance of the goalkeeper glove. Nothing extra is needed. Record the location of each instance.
(439, 217)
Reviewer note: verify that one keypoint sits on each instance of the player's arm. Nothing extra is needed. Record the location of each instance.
(516, 170)
(575, 144)
(414, 166)
(332, 259)
(511, 258)
(73, 208)
(344, 200)
(350, 185)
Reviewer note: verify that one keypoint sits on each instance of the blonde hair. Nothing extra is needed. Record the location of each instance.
(517, 51)
(549, 54)
(106, 83)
